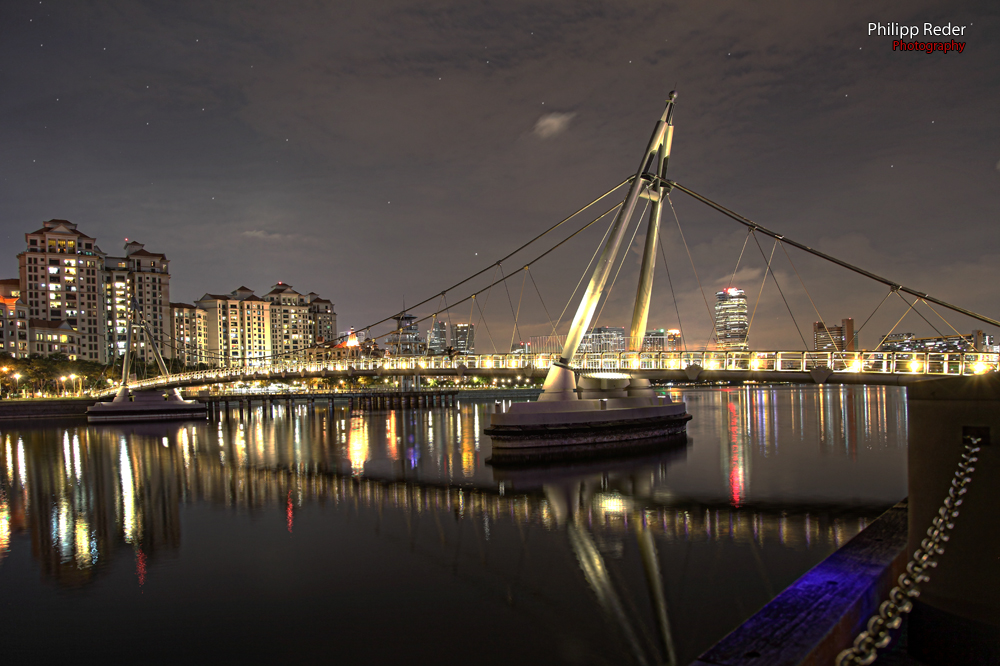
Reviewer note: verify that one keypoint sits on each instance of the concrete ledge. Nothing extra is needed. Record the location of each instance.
(44, 409)
(822, 612)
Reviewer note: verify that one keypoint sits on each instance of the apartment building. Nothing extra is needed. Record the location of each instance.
(238, 328)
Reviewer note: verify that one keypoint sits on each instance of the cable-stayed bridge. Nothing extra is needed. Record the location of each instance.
(720, 358)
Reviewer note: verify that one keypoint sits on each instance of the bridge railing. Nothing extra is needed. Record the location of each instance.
(864, 362)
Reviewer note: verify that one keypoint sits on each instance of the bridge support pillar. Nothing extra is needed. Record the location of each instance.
(956, 620)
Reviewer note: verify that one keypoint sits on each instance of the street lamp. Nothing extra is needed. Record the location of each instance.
(73, 384)
(63, 380)
(17, 376)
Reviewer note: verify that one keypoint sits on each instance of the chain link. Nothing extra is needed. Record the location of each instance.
(890, 613)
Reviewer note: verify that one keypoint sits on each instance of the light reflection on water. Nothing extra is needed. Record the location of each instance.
(399, 509)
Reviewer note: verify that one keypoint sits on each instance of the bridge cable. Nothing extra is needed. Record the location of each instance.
(969, 342)
(763, 282)
(711, 318)
(482, 308)
(587, 269)
(482, 320)
(533, 261)
(774, 277)
(858, 332)
(893, 328)
(666, 266)
(607, 296)
(540, 300)
(878, 278)
(826, 329)
(511, 303)
(518, 313)
(740, 258)
(940, 334)
(508, 256)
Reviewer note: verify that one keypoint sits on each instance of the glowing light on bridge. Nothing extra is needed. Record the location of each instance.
(915, 366)
(979, 367)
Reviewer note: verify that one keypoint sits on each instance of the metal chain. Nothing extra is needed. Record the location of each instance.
(890, 612)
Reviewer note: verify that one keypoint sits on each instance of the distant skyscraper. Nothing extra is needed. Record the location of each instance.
(437, 338)
(463, 338)
(834, 338)
(731, 324)
(662, 340)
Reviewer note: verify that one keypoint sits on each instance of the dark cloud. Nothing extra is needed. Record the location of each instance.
(368, 152)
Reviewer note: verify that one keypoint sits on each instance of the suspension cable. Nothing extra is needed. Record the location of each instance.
(666, 266)
(826, 329)
(518, 313)
(969, 342)
(747, 222)
(540, 300)
(508, 256)
(715, 332)
(767, 269)
(893, 328)
(940, 334)
(586, 270)
(607, 296)
(782, 294)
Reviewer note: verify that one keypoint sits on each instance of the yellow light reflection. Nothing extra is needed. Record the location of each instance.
(82, 543)
(130, 525)
(357, 444)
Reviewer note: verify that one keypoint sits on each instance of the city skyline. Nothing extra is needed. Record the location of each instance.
(257, 143)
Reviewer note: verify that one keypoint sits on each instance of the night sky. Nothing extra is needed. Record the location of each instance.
(378, 152)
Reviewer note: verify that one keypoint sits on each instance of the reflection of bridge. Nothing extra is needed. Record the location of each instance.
(773, 366)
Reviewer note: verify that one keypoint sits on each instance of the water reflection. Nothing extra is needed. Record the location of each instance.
(668, 556)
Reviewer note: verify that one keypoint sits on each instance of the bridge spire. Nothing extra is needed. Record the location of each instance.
(560, 383)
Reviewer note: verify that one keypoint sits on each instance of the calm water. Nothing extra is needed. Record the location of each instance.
(322, 536)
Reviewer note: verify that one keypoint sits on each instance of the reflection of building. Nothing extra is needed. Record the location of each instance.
(834, 338)
(463, 338)
(405, 340)
(731, 323)
(907, 342)
(437, 338)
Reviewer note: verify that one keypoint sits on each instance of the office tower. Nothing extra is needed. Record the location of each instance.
(437, 338)
(731, 324)
(834, 338)
(463, 338)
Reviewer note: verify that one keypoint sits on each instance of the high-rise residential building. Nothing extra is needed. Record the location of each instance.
(144, 275)
(463, 338)
(323, 318)
(189, 335)
(239, 328)
(291, 324)
(13, 325)
(59, 275)
(405, 340)
(437, 338)
(834, 338)
(731, 324)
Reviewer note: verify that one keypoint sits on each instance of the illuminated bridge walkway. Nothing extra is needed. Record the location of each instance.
(764, 366)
